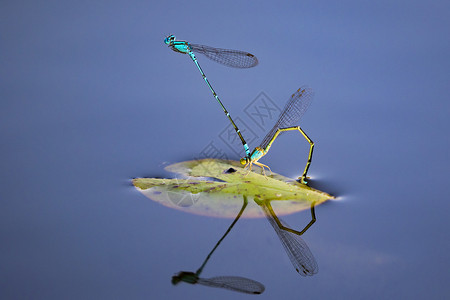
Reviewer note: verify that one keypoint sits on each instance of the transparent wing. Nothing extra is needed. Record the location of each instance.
(294, 109)
(297, 250)
(227, 57)
(235, 283)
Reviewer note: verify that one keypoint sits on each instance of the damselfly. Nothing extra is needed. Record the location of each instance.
(230, 58)
(293, 111)
(291, 114)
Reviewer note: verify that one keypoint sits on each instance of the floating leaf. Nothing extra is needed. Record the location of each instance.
(215, 187)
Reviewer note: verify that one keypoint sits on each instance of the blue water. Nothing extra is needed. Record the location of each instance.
(91, 98)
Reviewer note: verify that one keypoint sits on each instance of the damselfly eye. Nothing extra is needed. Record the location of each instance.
(169, 39)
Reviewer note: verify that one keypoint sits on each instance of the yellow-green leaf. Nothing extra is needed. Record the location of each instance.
(215, 187)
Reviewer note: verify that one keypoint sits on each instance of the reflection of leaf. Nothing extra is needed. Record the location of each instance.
(213, 187)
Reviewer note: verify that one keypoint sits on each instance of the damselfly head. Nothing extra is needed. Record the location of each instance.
(176, 279)
(188, 277)
(169, 39)
(244, 160)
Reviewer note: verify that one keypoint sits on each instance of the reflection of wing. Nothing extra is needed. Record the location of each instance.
(183, 199)
(297, 250)
(227, 57)
(235, 283)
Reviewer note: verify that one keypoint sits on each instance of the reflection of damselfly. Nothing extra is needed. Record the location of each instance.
(235, 283)
(296, 249)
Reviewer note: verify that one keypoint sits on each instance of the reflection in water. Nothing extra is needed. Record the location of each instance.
(235, 283)
(296, 249)
(214, 187)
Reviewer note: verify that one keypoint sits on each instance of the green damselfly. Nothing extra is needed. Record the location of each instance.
(291, 114)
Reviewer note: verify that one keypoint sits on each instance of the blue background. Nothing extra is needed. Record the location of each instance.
(91, 97)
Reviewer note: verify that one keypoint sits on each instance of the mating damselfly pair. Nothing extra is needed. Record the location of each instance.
(291, 114)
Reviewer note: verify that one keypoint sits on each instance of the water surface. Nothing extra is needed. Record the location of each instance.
(91, 98)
